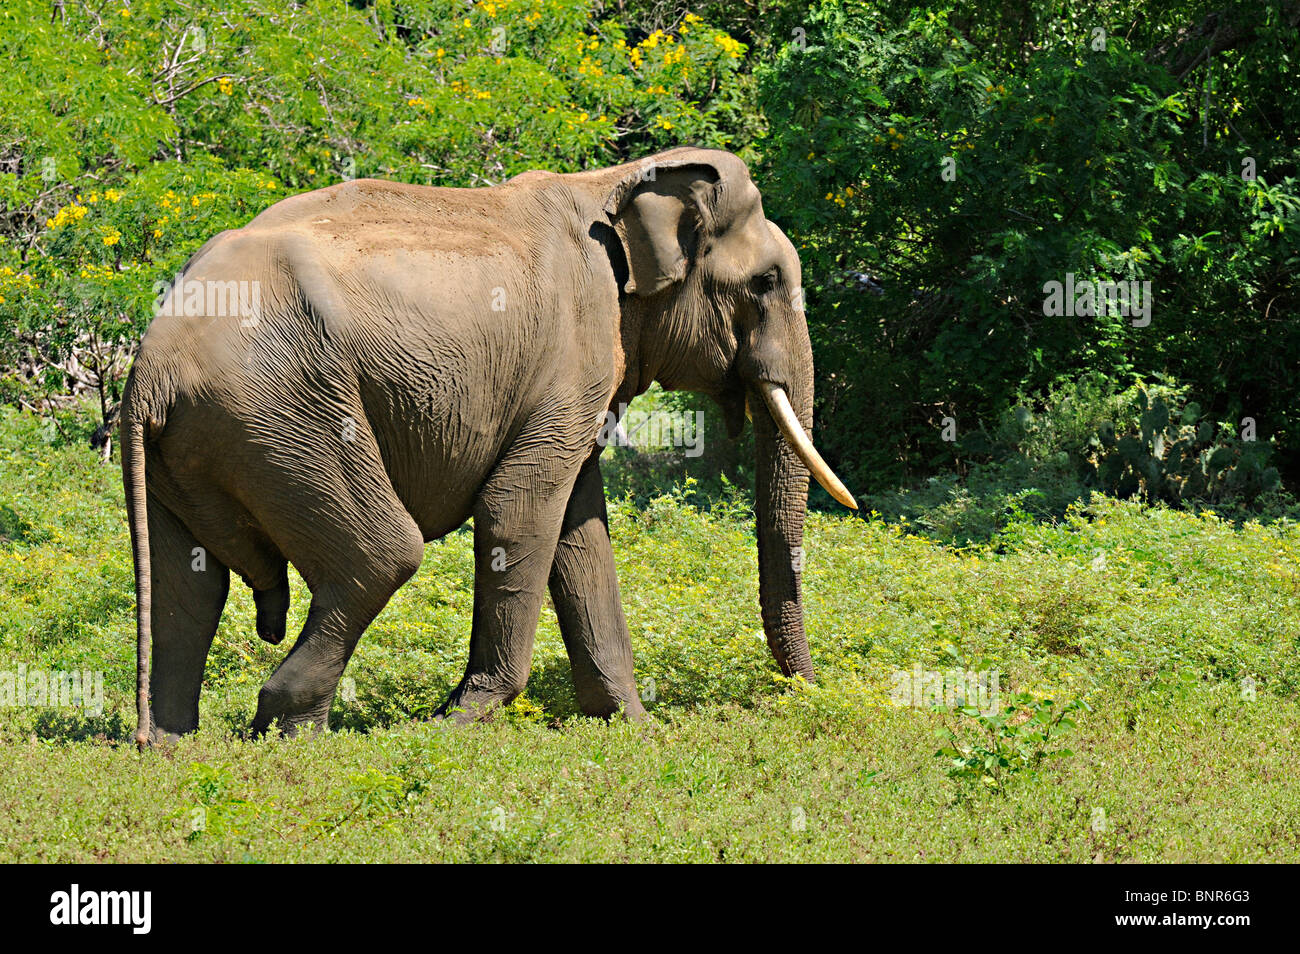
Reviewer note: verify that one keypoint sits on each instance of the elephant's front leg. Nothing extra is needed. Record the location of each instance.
(584, 588)
(517, 521)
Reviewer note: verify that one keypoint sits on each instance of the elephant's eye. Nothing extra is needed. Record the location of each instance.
(766, 282)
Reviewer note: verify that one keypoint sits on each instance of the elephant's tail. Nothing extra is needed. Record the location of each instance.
(137, 511)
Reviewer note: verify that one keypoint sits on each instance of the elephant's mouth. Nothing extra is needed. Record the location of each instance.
(732, 402)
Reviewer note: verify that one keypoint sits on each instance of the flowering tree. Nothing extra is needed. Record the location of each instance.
(133, 133)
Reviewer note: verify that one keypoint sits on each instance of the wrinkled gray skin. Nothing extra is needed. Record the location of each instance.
(425, 355)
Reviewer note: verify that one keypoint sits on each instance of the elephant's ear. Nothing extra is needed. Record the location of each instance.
(657, 213)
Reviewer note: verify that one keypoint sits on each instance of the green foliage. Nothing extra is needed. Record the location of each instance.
(1158, 619)
(1174, 456)
(992, 152)
(215, 811)
(1042, 456)
(135, 133)
(990, 748)
(718, 469)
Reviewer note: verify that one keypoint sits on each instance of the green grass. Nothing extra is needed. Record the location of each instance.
(1152, 617)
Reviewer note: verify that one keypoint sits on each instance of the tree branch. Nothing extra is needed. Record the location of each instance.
(1216, 33)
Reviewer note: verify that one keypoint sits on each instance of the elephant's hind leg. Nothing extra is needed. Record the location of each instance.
(190, 586)
(373, 557)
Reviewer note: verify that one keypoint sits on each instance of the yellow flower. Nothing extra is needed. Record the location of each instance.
(67, 215)
(226, 86)
(730, 46)
(112, 236)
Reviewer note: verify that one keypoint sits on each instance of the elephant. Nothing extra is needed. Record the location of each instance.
(418, 356)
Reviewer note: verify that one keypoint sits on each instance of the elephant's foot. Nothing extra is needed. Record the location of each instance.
(605, 703)
(477, 698)
(167, 723)
(157, 738)
(288, 713)
(286, 727)
(464, 708)
(468, 705)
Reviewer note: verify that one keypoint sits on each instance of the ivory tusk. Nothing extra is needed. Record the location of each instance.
(779, 404)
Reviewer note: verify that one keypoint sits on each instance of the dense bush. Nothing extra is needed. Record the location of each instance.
(940, 167)
(1043, 456)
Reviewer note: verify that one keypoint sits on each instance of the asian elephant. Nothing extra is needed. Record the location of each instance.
(415, 356)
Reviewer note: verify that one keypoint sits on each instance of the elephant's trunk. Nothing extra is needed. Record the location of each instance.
(785, 458)
(781, 501)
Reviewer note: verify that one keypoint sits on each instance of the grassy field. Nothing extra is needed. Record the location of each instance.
(1179, 632)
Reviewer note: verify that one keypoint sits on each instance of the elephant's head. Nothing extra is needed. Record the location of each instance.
(712, 293)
